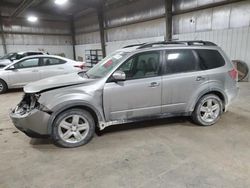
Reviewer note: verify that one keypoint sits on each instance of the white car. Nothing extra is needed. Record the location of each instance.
(14, 57)
(33, 68)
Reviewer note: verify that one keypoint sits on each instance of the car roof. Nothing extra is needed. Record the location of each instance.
(51, 56)
(29, 52)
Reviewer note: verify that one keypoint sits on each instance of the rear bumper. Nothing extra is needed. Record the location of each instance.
(231, 96)
(33, 123)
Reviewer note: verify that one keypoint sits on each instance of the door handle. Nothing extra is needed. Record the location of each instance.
(34, 70)
(200, 78)
(154, 84)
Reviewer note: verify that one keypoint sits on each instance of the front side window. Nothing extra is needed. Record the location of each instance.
(27, 63)
(142, 65)
(180, 61)
(46, 61)
(105, 66)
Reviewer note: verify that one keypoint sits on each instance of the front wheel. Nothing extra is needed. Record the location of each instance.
(208, 110)
(73, 128)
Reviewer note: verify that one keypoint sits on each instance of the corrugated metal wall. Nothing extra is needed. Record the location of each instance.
(228, 26)
(235, 42)
(50, 36)
(141, 20)
(234, 15)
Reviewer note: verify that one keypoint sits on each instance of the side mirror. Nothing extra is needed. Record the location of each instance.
(119, 76)
(12, 59)
(11, 67)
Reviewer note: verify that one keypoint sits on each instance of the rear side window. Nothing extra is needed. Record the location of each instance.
(34, 53)
(52, 61)
(180, 61)
(210, 59)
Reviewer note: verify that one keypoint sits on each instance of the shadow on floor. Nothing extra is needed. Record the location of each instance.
(145, 124)
(13, 91)
(126, 127)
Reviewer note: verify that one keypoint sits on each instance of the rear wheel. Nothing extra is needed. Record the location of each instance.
(73, 128)
(208, 110)
(3, 87)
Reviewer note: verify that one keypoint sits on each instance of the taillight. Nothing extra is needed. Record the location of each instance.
(233, 74)
(79, 66)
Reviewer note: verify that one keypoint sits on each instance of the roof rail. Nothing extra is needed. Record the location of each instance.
(133, 45)
(187, 43)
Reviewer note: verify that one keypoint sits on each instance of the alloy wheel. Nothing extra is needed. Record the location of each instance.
(73, 129)
(209, 110)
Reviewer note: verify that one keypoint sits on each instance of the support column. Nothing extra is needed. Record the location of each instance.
(168, 18)
(73, 36)
(101, 28)
(2, 35)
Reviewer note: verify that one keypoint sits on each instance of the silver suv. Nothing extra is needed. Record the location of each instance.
(138, 82)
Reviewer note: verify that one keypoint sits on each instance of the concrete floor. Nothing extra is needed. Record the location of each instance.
(170, 153)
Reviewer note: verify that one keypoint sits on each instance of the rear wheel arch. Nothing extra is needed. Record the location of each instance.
(218, 93)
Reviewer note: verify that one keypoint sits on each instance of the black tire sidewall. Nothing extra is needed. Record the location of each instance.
(196, 114)
(55, 135)
(5, 87)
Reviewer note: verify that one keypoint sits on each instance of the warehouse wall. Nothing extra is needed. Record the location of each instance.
(143, 20)
(228, 26)
(49, 36)
(133, 23)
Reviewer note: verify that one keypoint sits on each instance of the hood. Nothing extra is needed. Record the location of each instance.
(55, 82)
(5, 62)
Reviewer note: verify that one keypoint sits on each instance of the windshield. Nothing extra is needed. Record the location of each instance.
(8, 56)
(106, 65)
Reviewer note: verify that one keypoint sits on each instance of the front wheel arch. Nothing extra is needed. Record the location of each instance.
(94, 112)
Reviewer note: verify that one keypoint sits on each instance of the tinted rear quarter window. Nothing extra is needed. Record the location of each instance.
(210, 59)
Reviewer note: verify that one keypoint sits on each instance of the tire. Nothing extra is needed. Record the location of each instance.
(208, 110)
(73, 128)
(3, 87)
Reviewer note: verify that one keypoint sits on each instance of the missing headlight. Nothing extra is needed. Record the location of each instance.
(28, 103)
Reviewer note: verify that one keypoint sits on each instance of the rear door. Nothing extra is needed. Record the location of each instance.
(52, 66)
(182, 81)
(25, 71)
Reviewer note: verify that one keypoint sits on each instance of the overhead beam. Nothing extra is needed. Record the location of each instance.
(168, 19)
(32, 33)
(21, 7)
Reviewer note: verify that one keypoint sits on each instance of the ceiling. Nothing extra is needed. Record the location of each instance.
(47, 9)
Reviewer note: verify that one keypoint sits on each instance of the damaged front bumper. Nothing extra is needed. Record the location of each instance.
(30, 118)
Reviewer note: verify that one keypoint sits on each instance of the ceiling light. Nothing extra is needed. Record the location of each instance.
(61, 2)
(32, 18)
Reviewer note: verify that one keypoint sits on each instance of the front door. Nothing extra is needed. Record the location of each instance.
(24, 72)
(140, 94)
